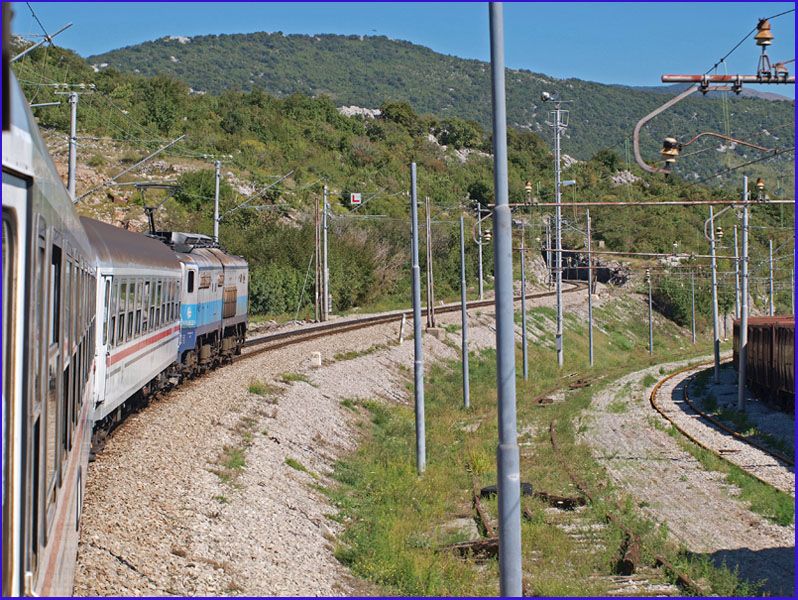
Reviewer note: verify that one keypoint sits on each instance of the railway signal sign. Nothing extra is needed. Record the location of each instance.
(355, 198)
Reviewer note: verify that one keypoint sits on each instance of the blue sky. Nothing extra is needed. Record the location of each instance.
(610, 42)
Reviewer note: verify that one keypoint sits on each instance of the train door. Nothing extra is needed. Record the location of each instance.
(108, 301)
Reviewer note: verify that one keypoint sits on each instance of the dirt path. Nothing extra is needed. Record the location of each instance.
(700, 509)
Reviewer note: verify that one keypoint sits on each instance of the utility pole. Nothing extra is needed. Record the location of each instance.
(218, 166)
(736, 276)
(792, 293)
(770, 256)
(317, 262)
(650, 315)
(742, 347)
(692, 304)
(507, 453)
(479, 245)
(464, 317)
(589, 290)
(418, 349)
(559, 126)
(325, 267)
(430, 279)
(523, 309)
(548, 251)
(715, 327)
(73, 143)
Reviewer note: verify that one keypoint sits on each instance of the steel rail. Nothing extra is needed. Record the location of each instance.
(295, 336)
(652, 400)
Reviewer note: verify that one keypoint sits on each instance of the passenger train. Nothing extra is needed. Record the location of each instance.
(96, 320)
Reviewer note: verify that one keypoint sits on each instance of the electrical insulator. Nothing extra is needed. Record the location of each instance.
(670, 150)
(719, 232)
(488, 235)
(760, 183)
(763, 36)
(528, 188)
(648, 275)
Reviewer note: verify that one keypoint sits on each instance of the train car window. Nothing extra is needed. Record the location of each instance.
(158, 297)
(131, 301)
(68, 289)
(55, 294)
(112, 318)
(75, 392)
(139, 287)
(66, 410)
(51, 416)
(120, 334)
(145, 307)
(190, 282)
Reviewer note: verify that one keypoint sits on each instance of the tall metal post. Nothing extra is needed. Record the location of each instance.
(736, 276)
(715, 326)
(792, 292)
(692, 305)
(418, 359)
(742, 347)
(770, 256)
(73, 144)
(326, 268)
(523, 310)
(650, 319)
(430, 280)
(548, 252)
(507, 453)
(558, 235)
(464, 317)
(218, 175)
(481, 281)
(589, 291)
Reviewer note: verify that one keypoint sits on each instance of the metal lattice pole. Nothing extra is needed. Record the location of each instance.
(464, 317)
(418, 360)
(650, 318)
(479, 245)
(558, 236)
(325, 268)
(507, 453)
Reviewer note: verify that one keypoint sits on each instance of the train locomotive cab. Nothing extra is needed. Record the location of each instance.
(213, 299)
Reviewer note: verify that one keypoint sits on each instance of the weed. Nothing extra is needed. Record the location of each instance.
(349, 404)
(221, 499)
(260, 388)
(295, 464)
(649, 380)
(290, 377)
(617, 406)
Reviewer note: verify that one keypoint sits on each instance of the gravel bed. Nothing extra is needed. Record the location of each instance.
(701, 510)
(670, 398)
(158, 519)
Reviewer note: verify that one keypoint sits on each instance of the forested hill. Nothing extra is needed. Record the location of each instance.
(367, 71)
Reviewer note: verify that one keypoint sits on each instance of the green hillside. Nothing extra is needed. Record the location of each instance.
(367, 71)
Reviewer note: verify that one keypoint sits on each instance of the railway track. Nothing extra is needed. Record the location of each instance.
(779, 457)
(295, 336)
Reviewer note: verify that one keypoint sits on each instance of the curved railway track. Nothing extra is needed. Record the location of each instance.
(777, 456)
(295, 336)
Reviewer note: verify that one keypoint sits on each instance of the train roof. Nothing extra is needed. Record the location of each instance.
(117, 247)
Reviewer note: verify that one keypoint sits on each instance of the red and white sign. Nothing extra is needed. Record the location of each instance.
(355, 198)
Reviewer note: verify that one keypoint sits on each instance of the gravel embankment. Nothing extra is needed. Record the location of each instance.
(159, 520)
(670, 399)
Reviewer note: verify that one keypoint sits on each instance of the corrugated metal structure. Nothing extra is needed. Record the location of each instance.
(770, 364)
